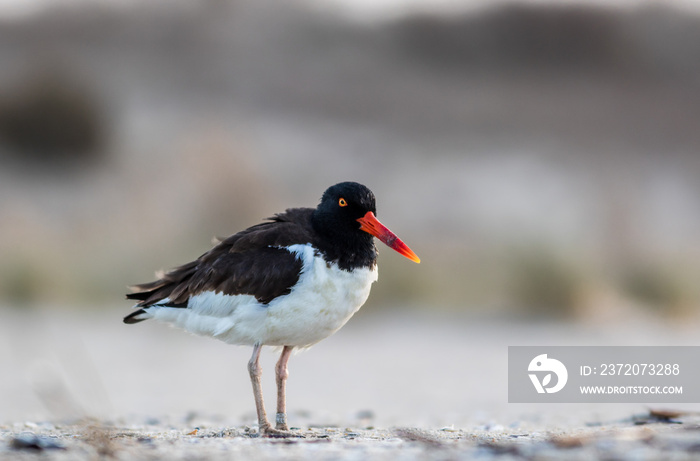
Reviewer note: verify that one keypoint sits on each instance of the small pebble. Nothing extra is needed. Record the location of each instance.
(31, 441)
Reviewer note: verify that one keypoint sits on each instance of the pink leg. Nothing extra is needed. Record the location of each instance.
(255, 373)
(282, 375)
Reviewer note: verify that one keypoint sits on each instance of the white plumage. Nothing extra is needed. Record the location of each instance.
(320, 303)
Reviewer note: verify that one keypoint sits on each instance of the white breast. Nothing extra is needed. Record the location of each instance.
(321, 302)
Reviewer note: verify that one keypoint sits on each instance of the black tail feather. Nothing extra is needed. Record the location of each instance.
(143, 295)
(130, 319)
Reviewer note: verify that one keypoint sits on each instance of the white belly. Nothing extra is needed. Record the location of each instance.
(322, 301)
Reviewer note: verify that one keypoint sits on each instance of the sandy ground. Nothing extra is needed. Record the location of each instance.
(392, 384)
(653, 441)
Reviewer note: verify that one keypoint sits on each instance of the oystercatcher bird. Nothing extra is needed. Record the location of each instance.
(289, 282)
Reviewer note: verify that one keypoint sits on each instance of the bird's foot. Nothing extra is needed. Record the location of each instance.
(277, 433)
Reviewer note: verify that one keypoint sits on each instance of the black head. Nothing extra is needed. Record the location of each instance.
(345, 219)
(346, 202)
(340, 208)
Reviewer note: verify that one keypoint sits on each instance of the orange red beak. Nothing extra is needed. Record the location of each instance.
(371, 225)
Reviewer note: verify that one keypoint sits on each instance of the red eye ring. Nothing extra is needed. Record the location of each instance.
(342, 202)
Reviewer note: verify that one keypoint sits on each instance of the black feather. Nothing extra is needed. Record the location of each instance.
(130, 318)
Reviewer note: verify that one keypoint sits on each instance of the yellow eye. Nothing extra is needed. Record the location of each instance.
(342, 202)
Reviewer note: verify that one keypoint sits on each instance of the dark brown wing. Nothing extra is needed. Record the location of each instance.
(249, 262)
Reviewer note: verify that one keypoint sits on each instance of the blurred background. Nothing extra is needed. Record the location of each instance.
(541, 157)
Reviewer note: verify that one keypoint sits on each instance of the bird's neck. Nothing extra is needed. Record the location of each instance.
(350, 250)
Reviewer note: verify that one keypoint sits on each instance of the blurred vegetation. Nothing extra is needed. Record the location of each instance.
(657, 286)
(652, 40)
(50, 120)
(543, 284)
(516, 35)
(20, 283)
(577, 122)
